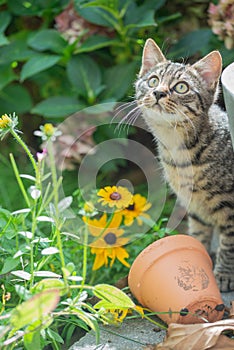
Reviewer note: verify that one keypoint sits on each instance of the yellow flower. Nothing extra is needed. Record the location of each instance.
(118, 315)
(89, 207)
(108, 242)
(8, 124)
(115, 196)
(4, 121)
(136, 210)
(48, 129)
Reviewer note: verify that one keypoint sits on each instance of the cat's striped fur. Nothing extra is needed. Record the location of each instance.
(194, 143)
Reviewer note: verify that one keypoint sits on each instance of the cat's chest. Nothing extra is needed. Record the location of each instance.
(183, 177)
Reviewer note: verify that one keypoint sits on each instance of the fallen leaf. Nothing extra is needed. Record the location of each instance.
(198, 336)
(231, 311)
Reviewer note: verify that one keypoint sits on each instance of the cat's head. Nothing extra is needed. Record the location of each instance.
(176, 90)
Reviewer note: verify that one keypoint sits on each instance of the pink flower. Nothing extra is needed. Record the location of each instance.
(221, 20)
(41, 155)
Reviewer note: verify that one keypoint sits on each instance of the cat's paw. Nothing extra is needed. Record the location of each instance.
(225, 281)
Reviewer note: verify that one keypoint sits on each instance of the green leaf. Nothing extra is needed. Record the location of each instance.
(143, 15)
(112, 296)
(90, 321)
(192, 43)
(85, 75)
(3, 40)
(9, 265)
(95, 42)
(7, 75)
(37, 64)
(118, 79)
(34, 309)
(17, 49)
(57, 107)
(95, 15)
(15, 98)
(24, 8)
(108, 6)
(8, 224)
(32, 340)
(55, 336)
(47, 39)
(49, 283)
(5, 18)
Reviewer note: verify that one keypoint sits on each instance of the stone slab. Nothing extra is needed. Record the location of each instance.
(132, 334)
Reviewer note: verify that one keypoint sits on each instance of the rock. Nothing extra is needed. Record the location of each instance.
(132, 334)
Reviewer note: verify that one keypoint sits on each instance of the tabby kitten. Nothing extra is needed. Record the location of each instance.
(194, 144)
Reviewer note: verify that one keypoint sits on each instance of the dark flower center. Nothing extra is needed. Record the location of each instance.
(131, 207)
(115, 196)
(110, 238)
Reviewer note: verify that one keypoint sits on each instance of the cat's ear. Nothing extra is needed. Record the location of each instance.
(210, 68)
(151, 56)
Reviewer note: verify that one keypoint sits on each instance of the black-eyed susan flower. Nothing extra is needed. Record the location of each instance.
(109, 240)
(115, 196)
(136, 210)
(7, 123)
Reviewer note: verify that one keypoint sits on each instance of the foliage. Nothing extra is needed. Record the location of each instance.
(45, 267)
(51, 66)
(56, 75)
(57, 63)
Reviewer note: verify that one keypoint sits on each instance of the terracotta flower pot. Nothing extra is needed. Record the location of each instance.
(174, 274)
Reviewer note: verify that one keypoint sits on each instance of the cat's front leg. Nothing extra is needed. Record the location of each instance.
(200, 230)
(225, 259)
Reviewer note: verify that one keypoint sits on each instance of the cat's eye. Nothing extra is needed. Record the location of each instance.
(153, 81)
(181, 87)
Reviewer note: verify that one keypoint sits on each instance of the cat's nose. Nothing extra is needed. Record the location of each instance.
(159, 94)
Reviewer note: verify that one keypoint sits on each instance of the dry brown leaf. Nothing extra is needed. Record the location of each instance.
(223, 343)
(231, 312)
(198, 336)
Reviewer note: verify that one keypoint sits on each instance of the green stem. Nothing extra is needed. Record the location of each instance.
(25, 147)
(85, 248)
(18, 178)
(54, 176)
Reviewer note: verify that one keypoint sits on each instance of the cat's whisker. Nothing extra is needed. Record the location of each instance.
(121, 109)
(129, 114)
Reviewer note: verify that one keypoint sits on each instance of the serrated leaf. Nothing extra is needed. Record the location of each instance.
(36, 308)
(113, 296)
(37, 64)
